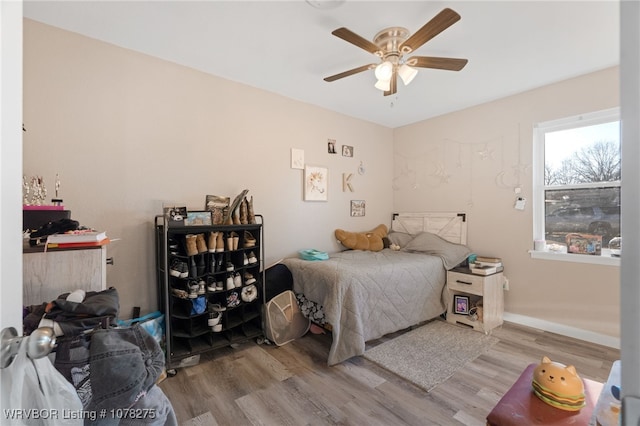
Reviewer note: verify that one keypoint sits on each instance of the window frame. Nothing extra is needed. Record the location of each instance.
(539, 131)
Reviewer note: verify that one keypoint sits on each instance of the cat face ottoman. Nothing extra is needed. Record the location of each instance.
(521, 405)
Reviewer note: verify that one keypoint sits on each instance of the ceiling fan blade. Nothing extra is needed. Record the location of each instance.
(355, 39)
(435, 26)
(451, 64)
(350, 72)
(394, 84)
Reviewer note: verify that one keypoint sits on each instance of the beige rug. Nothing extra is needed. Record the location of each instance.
(429, 355)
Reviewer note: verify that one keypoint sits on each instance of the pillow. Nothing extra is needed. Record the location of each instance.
(399, 238)
(371, 240)
(451, 254)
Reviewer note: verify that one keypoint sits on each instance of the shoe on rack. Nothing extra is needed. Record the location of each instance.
(211, 243)
(184, 270)
(190, 244)
(201, 287)
(230, 267)
(216, 307)
(237, 279)
(211, 286)
(193, 290)
(174, 269)
(214, 319)
(233, 299)
(230, 284)
(201, 244)
(219, 286)
(251, 217)
(249, 240)
(180, 293)
(248, 278)
(245, 261)
(220, 242)
(243, 211)
(217, 328)
(252, 258)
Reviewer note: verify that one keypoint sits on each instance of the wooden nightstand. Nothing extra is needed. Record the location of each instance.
(479, 289)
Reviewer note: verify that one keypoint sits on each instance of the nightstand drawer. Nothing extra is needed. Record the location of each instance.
(467, 283)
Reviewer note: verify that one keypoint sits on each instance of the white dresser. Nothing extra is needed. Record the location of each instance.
(48, 274)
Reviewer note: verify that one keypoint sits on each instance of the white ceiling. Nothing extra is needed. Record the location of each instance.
(286, 47)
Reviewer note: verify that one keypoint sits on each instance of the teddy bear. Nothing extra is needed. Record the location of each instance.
(371, 240)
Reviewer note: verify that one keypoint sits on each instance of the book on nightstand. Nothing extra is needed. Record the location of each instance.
(484, 269)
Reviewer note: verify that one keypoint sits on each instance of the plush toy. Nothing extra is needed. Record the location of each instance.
(371, 240)
(558, 385)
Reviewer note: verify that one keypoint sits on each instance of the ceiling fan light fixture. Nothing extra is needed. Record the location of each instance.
(384, 71)
(407, 73)
(384, 85)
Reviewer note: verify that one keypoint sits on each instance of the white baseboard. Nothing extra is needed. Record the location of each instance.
(565, 330)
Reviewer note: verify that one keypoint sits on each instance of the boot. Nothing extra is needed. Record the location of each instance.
(213, 236)
(243, 211)
(251, 217)
(220, 242)
(236, 216)
(190, 244)
(201, 245)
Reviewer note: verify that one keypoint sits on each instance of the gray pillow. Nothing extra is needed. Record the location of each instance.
(451, 254)
(399, 238)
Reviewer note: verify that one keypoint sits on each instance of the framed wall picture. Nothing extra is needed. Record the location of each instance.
(198, 218)
(316, 183)
(461, 304)
(347, 151)
(357, 208)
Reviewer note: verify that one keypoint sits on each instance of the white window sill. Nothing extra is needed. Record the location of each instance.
(604, 259)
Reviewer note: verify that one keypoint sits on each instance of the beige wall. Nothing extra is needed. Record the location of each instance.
(472, 160)
(127, 132)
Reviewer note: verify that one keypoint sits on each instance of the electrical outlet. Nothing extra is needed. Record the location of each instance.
(505, 284)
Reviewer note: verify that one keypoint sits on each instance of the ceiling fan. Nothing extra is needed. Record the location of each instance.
(391, 44)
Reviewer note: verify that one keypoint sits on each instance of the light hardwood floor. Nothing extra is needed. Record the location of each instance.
(292, 384)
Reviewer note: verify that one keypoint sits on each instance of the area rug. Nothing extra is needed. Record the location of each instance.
(430, 354)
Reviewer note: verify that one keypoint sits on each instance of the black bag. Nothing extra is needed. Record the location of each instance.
(58, 227)
(278, 279)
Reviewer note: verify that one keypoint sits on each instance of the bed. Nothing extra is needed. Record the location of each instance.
(364, 295)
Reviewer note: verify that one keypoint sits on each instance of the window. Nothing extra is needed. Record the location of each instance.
(577, 183)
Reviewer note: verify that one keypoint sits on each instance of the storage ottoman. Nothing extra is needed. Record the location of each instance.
(519, 406)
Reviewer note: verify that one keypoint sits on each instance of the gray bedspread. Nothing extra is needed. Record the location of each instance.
(366, 294)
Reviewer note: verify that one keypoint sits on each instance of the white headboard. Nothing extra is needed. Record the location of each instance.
(450, 226)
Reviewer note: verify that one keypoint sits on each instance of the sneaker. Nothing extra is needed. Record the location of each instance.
(193, 290)
(245, 260)
(214, 318)
(217, 328)
(216, 307)
(230, 267)
(230, 283)
(237, 280)
(184, 270)
(219, 286)
(248, 278)
(252, 258)
(174, 269)
(201, 287)
(212, 286)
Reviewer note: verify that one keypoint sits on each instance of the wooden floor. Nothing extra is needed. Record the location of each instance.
(292, 385)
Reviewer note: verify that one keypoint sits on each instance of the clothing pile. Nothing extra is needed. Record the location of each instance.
(113, 369)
